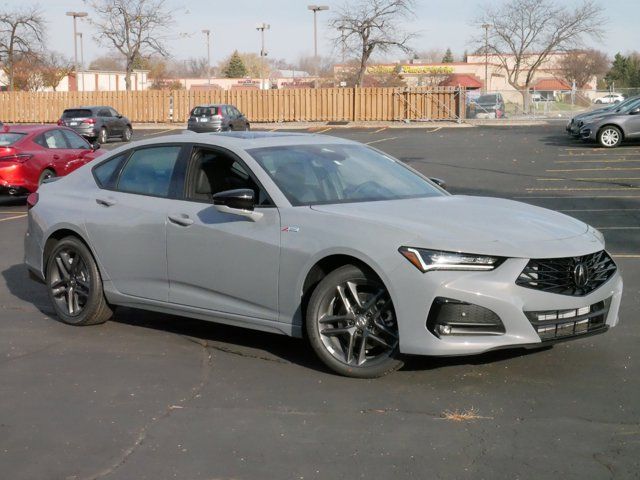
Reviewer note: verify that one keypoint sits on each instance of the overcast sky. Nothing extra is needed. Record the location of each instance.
(441, 24)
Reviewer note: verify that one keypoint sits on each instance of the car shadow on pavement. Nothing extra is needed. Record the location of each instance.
(12, 201)
(564, 140)
(22, 287)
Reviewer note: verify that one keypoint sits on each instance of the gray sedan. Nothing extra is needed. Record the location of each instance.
(308, 235)
(613, 128)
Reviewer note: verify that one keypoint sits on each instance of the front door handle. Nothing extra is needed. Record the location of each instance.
(105, 202)
(182, 220)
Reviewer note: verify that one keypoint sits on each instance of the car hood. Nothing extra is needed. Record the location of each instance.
(594, 113)
(480, 225)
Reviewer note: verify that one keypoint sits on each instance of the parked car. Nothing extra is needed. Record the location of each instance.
(577, 122)
(31, 154)
(612, 129)
(610, 98)
(490, 105)
(217, 118)
(290, 233)
(99, 123)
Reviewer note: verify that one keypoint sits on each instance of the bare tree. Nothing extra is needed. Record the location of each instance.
(580, 66)
(21, 38)
(524, 33)
(107, 62)
(135, 28)
(372, 25)
(53, 68)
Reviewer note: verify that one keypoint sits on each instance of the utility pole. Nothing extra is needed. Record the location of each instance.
(263, 53)
(486, 27)
(75, 16)
(81, 50)
(207, 32)
(315, 9)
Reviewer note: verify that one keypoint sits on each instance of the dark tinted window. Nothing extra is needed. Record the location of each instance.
(75, 141)
(77, 113)
(205, 111)
(9, 138)
(104, 113)
(113, 112)
(487, 99)
(106, 173)
(149, 171)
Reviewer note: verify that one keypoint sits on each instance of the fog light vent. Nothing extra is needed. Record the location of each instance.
(448, 317)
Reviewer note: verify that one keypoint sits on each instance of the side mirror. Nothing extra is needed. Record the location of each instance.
(237, 202)
(118, 116)
(635, 111)
(95, 146)
(438, 181)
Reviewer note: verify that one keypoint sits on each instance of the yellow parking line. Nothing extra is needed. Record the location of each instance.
(10, 213)
(435, 130)
(325, 130)
(159, 133)
(380, 130)
(626, 255)
(618, 228)
(603, 169)
(565, 197)
(579, 189)
(382, 140)
(601, 210)
(582, 179)
(12, 218)
(597, 161)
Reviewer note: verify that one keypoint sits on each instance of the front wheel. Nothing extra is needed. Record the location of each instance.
(610, 137)
(74, 284)
(352, 325)
(127, 134)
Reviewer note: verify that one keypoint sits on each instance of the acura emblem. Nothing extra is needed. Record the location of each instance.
(580, 275)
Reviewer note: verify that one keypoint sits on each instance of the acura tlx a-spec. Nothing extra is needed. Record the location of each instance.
(316, 237)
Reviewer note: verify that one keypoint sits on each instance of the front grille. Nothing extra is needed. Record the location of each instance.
(555, 324)
(575, 276)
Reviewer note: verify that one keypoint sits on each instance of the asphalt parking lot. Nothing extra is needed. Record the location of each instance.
(150, 396)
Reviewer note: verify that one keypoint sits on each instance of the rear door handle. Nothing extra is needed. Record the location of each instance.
(182, 220)
(105, 202)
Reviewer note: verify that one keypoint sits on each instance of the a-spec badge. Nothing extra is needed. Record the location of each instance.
(290, 229)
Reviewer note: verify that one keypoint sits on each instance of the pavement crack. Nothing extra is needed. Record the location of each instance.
(206, 366)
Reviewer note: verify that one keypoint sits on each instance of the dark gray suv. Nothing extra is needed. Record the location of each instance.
(217, 118)
(98, 123)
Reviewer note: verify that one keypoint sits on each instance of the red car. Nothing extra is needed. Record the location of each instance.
(30, 154)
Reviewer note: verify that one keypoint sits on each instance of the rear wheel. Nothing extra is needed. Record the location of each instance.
(46, 174)
(103, 136)
(247, 127)
(351, 324)
(127, 134)
(74, 284)
(610, 137)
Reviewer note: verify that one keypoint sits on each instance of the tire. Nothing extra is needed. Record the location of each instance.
(247, 127)
(127, 134)
(610, 136)
(103, 136)
(351, 324)
(46, 174)
(76, 291)
(599, 102)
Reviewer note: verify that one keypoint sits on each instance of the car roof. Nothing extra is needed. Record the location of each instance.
(89, 107)
(241, 140)
(28, 128)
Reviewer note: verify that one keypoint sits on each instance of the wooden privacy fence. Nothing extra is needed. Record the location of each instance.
(309, 104)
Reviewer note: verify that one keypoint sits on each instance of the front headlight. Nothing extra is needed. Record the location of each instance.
(597, 233)
(429, 260)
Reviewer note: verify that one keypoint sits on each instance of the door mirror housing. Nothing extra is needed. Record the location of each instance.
(237, 202)
(635, 111)
(439, 182)
(95, 146)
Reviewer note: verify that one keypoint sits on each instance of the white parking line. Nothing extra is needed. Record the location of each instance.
(325, 130)
(382, 140)
(603, 169)
(12, 218)
(580, 189)
(597, 161)
(380, 130)
(618, 228)
(587, 179)
(159, 133)
(569, 197)
(626, 255)
(600, 210)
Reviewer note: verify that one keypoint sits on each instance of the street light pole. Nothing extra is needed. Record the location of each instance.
(315, 9)
(207, 32)
(486, 27)
(75, 16)
(81, 50)
(263, 53)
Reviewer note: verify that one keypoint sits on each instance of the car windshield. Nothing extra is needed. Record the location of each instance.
(8, 139)
(487, 99)
(322, 174)
(205, 111)
(77, 113)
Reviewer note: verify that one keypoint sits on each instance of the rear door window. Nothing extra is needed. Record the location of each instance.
(9, 138)
(52, 139)
(149, 171)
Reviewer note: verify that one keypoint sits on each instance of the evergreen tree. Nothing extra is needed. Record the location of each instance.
(236, 67)
(448, 56)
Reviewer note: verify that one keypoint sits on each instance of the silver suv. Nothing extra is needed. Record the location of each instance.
(217, 118)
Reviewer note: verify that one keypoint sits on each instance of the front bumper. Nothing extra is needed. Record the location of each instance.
(588, 133)
(496, 291)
